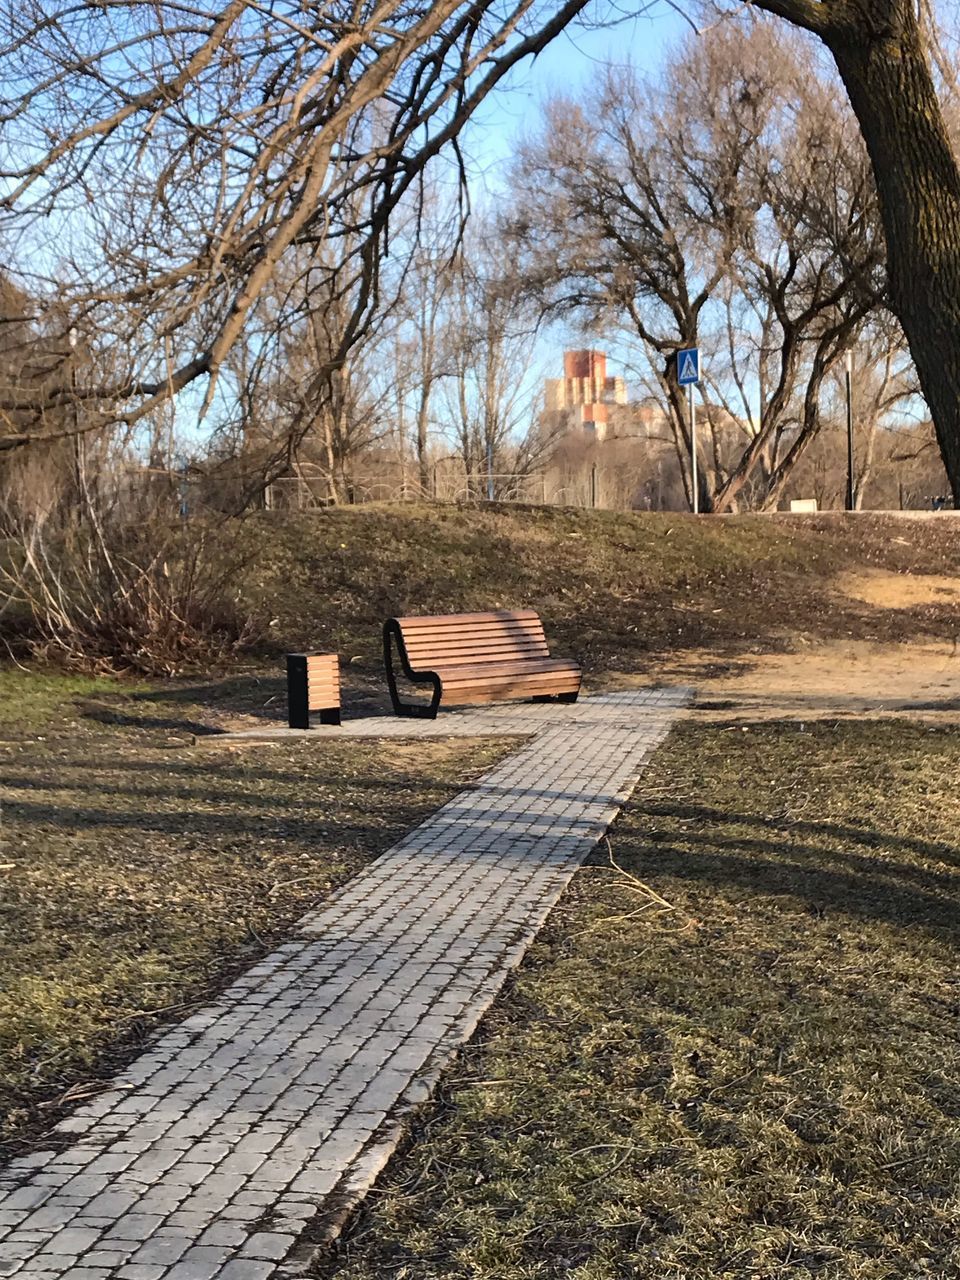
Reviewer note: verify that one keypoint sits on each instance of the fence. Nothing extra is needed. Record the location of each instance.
(533, 488)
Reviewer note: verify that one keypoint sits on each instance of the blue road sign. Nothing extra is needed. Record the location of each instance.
(688, 366)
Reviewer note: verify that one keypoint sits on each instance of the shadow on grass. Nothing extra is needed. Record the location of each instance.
(226, 691)
(260, 697)
(189, 818)
(853, 869)
(857, 887)
(862, 835)
(171, 724)
(829, 866)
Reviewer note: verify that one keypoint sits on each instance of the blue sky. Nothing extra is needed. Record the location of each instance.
(566, 64)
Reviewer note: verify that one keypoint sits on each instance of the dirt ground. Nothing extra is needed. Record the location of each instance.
(885, 590)
(840, 679)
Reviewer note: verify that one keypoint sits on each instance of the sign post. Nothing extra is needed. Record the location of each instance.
(848, 381)
(688, 375)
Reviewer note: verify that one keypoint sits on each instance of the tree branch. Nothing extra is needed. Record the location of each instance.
(811, 15)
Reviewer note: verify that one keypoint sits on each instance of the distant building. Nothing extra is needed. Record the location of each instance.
(586, 388)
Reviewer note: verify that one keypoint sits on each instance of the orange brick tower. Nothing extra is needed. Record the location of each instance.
(585, 385)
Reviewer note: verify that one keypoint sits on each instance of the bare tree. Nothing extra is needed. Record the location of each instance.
(883, 58)
(487, 339)
(179, 152)
(186, 152)
(731, 206)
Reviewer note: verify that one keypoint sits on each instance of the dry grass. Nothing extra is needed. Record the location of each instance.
(757, 1081)
(136, 878)
(612, 587)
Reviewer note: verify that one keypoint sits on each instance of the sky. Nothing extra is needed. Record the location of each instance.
(567, 63)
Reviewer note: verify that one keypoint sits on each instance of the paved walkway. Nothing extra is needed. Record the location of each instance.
(209, 1157)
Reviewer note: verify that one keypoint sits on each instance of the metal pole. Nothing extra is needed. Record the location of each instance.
(490, 471)
(593, 485)
(694, 480)
(849, 379)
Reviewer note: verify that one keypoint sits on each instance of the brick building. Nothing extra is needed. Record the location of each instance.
(585, 387)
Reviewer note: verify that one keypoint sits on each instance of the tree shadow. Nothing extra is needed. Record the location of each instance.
(868, 881)
(170, 724)
(37, 812)
(863, 835)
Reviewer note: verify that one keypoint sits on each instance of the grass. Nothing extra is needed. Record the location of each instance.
(136, 878)
(759, 1081)
(611, 587)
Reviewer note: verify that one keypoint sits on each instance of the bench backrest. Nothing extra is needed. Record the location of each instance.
(472, 639)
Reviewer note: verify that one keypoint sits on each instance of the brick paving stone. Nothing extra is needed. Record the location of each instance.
(267, 1245)
(206, 1158)
(247, 1269)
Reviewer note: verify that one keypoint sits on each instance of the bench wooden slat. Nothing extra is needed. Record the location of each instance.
(442, 644)
(535, 684)
(490, 670)
(506, 694)
(479, 657)
(485, 638)
(443, 620)
(492, 626)
(426, 655)
(487, 634)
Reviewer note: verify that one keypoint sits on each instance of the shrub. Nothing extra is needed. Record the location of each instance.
(160, 598)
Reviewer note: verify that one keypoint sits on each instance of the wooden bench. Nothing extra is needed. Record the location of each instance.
(476, 657)
(313, 684)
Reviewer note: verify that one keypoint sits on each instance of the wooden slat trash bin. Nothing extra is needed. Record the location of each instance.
(476, 657)
(313, 685)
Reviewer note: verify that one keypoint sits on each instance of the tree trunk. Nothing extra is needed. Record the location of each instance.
(879, 52)
(423, 422)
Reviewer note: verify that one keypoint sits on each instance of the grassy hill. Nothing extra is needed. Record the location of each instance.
(614, 589)
(611, 587)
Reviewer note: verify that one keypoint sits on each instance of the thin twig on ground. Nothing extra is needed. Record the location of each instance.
(652, 899)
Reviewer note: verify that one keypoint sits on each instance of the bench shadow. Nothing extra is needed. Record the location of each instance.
(259, 697)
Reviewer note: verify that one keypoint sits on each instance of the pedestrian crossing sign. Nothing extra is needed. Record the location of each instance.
(688, 366)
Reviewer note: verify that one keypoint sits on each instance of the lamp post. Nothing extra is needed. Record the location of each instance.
(848, 378)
